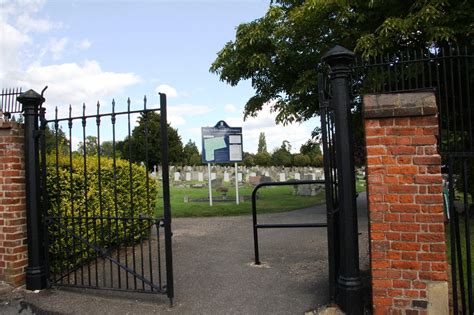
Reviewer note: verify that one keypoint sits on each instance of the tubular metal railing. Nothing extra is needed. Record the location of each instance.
(257, 226)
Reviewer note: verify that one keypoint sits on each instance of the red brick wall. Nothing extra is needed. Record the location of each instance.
(407, 237)
(13, 249)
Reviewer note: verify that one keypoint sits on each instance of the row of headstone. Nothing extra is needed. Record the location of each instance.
(246, 175)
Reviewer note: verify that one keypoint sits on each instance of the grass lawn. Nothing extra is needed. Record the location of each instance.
(270, 199)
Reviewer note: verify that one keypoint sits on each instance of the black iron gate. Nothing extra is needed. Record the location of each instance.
(338, 151)
(330, 175)
(105, 226)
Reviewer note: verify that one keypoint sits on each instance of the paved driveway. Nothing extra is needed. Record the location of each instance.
(214, 272)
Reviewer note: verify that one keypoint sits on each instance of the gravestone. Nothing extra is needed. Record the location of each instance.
(177, 176)
(254, 180)
(213, 176)
(216, 182)
(200, 176)
(297, 176)
(188, 176)
(282, 177)
(226, 177)
(239, 177)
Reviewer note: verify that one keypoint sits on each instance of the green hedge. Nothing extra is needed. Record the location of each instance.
(70, 213)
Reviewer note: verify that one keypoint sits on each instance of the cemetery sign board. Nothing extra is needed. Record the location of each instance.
(221, 143)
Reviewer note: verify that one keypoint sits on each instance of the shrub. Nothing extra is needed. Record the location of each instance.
(83, 213)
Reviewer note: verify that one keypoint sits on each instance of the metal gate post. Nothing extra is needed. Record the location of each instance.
(36, 270)
(166, 197)
(349, 282)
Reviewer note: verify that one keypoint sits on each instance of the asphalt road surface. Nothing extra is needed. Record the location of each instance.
(214, 273)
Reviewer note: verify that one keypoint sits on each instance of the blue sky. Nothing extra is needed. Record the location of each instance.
(88, 51)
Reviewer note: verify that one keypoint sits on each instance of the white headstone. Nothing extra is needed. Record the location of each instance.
(188, 176)
(239, 177)
(213, 176)
(282, 177)
(297, 176)
(226, 177)
(177, 176)
(253, 174)
(200, 177)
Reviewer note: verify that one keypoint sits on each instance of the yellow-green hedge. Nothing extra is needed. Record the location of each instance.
(72, 226)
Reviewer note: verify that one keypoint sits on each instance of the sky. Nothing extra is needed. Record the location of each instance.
(90, 51)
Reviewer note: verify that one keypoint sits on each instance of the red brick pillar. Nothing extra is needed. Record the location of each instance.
(407, 237)
(13, 244)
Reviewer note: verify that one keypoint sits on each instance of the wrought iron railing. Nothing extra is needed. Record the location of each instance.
(9, 104)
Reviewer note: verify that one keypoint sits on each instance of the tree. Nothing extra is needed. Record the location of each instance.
(301, 160)
(281, 51)
(312, 149)
(107, 149)
(91, 146)
(262, 143)
(135, 145)
(249, 159)
(191, 154)
(51, 137)
(282, 155)
(263, 159)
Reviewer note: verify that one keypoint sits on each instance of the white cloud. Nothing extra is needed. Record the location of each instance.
(177, 113)
(84, 44)
(27, 23)
(296, 134)
(189, 109)
(57, 47)
(176, 121)
(72, 83)
(230, 108)
(10, 44)
(69, 83)
(168, 90)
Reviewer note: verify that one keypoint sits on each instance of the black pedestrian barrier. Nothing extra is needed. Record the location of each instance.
(257, 226)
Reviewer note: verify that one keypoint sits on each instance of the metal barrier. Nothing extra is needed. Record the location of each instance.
(257, 226)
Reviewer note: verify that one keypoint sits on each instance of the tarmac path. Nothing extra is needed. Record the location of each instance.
(214, 274)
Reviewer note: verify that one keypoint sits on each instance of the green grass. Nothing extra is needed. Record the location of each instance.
(360, 185)
(270, 200)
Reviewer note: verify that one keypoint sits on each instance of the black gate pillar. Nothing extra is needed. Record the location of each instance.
(348, 281)
(36, 270)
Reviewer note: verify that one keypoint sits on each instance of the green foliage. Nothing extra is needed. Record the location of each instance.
(301, 160)
(67, 189)
(263, 159)
(148, 129)
(191, 154)
(53, 139)
(311, 147)
(91, 146)
(249, 159)
(262, 143)
(107, 149)
(282, 156)
(317, 161)
(281, 51)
